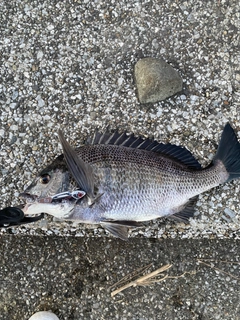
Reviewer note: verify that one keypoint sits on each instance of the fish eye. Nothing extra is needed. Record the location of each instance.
(45, 178)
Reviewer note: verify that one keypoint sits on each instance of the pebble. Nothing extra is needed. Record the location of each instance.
(44, 315)
(40, 101)
(156, 80)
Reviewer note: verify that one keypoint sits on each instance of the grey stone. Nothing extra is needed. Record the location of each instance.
(156, 80)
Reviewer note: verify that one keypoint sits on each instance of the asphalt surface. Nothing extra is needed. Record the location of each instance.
(73, 277)
(70, 64)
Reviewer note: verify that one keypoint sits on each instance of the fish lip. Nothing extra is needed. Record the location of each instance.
(67, 196)
(32, 198)
(28, 197)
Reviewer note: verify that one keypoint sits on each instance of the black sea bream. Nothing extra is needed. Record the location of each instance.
(119, 181)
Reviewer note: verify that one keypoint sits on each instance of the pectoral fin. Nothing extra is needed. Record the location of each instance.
(82, 172)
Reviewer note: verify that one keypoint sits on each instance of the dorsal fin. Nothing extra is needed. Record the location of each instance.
(122, 139)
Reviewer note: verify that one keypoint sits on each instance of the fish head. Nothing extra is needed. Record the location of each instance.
(53, 192)
(50, 181)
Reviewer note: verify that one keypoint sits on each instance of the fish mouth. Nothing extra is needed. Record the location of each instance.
(57, 198)
(28, 197)
(33, 198)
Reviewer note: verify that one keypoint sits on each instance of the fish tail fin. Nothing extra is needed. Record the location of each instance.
(229, 152)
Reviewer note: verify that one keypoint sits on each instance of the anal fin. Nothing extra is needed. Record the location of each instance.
(187, 212)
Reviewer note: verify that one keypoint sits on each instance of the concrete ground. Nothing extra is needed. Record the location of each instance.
(74, 277)
(69, 64)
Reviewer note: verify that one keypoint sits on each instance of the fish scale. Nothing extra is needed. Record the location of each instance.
(143, 184)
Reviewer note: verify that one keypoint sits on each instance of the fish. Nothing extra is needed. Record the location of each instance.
(119, 181)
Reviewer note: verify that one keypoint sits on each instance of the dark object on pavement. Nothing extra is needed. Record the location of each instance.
(12, 216)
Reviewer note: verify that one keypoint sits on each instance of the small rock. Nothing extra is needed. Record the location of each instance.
(14, 127)
(13, 105)
(44, 315)
(35, 148)
(40, 101)
(93, 115)
(13, 140)
(156, 80)
(15, 94)
(39, 55)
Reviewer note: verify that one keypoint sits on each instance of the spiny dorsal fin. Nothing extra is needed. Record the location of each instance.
(122, 139)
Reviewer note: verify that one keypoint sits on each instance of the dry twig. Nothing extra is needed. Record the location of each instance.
(147, 279)
(150, 278)
(158, 276)
(132, 275)
(219, 270)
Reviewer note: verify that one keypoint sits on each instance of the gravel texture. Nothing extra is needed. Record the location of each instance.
(69, 64)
